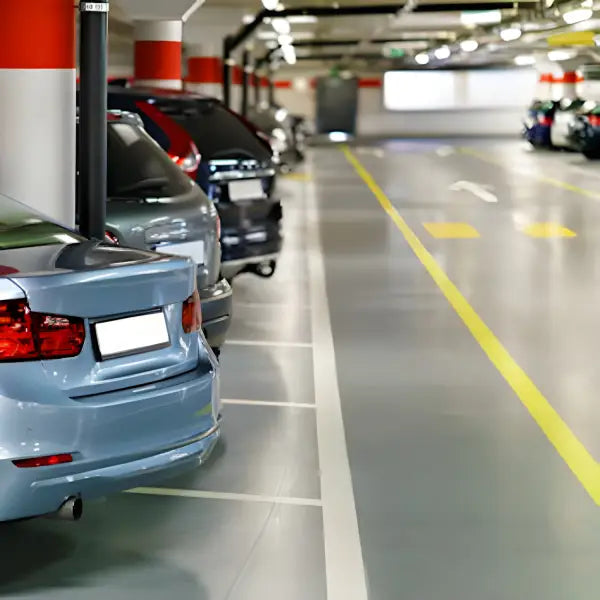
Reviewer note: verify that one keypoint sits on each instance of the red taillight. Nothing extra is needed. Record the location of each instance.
(58, 337)
(43, 461)
(544, 120)
(110, 237)
(190, 162)
(191, 317)
(594, 120)
(16, 331)
(26, 335)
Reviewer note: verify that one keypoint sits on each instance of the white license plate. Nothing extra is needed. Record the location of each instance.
(247, 189)
(256, 236)
(132, 335)
(195, 250)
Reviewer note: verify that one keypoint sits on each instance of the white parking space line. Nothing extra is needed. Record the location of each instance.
(345, 571)
(205, 495)
(268, 403)
(275, 344)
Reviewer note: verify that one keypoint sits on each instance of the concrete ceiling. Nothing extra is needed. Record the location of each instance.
(425, 30)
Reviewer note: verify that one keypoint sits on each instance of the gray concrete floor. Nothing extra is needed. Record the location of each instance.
(458, 493)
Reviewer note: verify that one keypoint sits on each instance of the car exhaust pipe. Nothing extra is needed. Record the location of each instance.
(265, 269)
(70, 510)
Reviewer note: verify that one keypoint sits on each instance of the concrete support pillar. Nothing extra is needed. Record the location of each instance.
(237, 80)
(37, 79)
(158, 54)
(543, 88)
(565, 85)
(205, 75)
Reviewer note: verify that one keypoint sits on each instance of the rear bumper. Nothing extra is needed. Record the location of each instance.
(217, 304)
(118, 440)
(242, 259)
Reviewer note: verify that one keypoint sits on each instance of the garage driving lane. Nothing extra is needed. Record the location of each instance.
(459, 494)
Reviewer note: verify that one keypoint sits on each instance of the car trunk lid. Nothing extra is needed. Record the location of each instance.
(99, 284)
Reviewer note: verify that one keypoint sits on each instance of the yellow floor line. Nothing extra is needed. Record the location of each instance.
(573, 452)
(563, 185)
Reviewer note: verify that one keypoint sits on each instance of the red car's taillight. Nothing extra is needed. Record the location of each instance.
(26, 335)
(191, 317)
(544, 120)
(594, 120)
(190, 162)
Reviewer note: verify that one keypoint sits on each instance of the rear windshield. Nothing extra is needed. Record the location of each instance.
(139, 168)
(217, 132)
(21, 227)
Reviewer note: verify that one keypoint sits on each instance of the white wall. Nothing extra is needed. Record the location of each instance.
(374, 119)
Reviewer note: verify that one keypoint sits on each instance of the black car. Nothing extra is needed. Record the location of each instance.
(153, 205)
(285, 133)
(236, 171)
(584, 132)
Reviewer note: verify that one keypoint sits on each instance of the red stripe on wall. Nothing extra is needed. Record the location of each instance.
(283, 84)
(264, 82)
(205, 69)
(157, 60)
(38, 34)
(546, 78)
(370, 82)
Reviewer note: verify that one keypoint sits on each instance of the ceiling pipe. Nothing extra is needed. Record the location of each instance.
(348, 42)
(192, 9)
(231, 42)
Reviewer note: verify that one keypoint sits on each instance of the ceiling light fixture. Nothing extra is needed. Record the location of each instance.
(422, 58)
(442, 53)
(289, 55)
(486, 17)
(270, 4)
(285, 40)
(266, 35)
(524, 60)
(303, 19)
(510, 34)
(281, 26)
(558, 55)
(577, 15)
(469, 45)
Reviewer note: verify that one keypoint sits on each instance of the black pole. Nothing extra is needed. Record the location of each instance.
(271, 90)
(256, 87)
(246, 74)
(92, 118)
(227, 71)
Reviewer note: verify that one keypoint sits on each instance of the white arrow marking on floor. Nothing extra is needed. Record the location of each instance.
(445, 151)
(481, 191)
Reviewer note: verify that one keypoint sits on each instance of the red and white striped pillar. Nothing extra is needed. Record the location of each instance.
(205, 75)
(543, 89)
(157, 61)
(37, 104)
(565, 85)
(237, 79)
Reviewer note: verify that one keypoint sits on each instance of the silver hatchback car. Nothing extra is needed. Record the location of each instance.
(106, 381)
